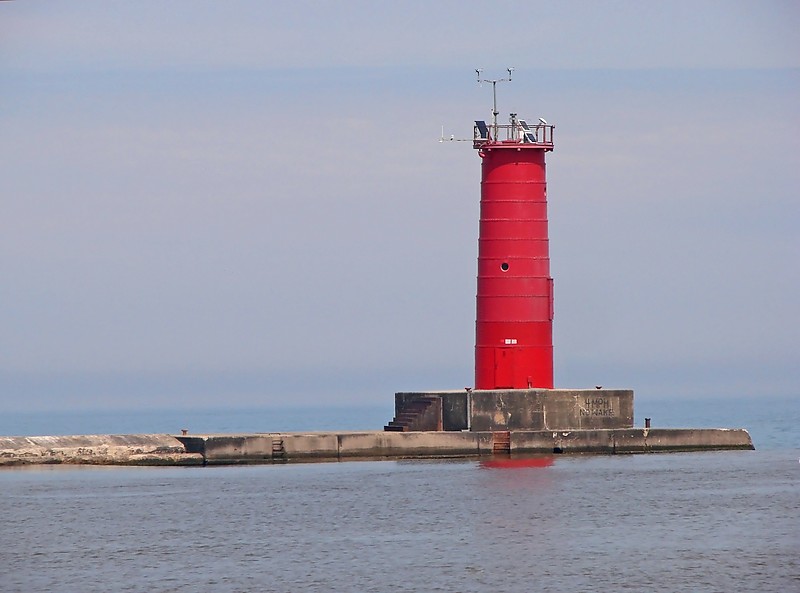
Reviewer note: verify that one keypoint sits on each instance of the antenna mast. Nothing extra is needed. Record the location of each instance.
(494, 82)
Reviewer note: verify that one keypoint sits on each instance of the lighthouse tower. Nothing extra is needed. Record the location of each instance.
(514, 312)
(513, 388)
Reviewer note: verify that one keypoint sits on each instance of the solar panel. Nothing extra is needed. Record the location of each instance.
(484, 131)
(527, 134)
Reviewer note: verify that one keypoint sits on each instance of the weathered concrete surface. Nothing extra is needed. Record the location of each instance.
(414, 444)
(454, 407)
(263, 448)
(528, 409)
(230, 449)
(552, 409)
(277, 447)
(281, 447)
(134, 449)
(573, 441)
(633, 440)
(419, 413)
(310, 446)
(654, 440)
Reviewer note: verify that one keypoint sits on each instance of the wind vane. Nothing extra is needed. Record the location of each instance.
(494, 82)
(495, 113)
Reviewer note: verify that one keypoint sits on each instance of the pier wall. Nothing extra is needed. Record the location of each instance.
(289, 447)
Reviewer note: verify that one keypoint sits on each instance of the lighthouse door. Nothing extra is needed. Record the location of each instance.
(504, 368)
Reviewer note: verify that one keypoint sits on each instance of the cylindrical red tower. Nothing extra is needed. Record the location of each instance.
(514, 321)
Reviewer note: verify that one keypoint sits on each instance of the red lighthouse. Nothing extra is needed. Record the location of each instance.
(513, 407)
(514, 317)
(513, 389)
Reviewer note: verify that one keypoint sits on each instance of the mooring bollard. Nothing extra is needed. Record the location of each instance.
(185, 431)
(647, 422)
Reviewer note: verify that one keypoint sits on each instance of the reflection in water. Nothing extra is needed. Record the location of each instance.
(517, 462)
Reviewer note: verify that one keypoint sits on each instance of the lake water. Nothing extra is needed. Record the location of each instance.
(718, 521)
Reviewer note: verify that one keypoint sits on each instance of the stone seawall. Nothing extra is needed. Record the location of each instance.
(288, 447)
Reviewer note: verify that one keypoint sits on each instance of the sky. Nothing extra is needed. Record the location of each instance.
(245, 203)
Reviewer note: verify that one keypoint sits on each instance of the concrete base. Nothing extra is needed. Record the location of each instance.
(523, 409)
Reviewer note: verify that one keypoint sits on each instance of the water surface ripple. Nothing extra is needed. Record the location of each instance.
(725, 521)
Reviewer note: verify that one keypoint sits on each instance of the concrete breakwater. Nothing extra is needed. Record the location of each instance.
(289, 447)
(103, 449)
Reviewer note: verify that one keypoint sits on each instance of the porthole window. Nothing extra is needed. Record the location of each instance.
(504, 266)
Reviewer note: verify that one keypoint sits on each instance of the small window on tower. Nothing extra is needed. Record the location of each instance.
(504, 266)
